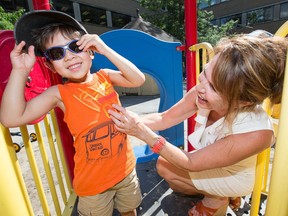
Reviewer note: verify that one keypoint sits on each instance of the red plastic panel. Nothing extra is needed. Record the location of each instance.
(39, 79)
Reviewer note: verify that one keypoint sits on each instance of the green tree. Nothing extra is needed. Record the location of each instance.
(207, 32)
(169, 16)
(7, 19)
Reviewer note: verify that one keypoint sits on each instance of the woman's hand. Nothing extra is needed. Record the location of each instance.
(126, 121)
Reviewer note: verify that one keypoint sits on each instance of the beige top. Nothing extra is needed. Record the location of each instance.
(237, 179)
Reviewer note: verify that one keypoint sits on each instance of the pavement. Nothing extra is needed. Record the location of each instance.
(141, 104)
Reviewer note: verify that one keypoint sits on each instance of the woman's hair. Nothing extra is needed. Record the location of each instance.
(249, 69)
(45, 35)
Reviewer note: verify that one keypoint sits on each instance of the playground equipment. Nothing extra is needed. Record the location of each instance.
(19, 145)
(62, 195)
(159, 59)
(169, 79)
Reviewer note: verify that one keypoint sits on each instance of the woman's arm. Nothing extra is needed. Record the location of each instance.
(181, 111)
(230, 150)
(224, 152)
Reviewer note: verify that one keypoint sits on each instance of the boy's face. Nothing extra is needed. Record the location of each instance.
(73, 66)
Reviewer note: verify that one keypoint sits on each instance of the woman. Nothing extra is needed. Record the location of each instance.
(231, 126)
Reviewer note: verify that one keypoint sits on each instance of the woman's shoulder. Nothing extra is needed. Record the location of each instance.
(257, 119)
(258, 114)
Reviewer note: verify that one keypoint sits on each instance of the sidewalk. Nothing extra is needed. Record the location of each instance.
(141, 105)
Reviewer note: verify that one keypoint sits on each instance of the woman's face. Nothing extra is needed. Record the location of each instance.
(208, 98)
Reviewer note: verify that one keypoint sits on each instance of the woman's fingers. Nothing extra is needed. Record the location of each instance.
(125, 121)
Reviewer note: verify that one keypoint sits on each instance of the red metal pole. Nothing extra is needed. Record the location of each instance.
(41, 4)
(191, 39)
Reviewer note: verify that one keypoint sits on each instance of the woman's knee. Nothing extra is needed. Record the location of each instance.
(162, 167)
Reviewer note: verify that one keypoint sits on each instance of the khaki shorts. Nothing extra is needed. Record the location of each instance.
(124, 196)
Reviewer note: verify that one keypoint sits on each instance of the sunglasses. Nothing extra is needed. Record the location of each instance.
(59, 52)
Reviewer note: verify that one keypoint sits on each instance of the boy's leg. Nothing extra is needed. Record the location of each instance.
(100, 204)
(128, 195)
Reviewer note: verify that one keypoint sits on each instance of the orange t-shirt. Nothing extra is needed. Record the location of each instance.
(103, 155)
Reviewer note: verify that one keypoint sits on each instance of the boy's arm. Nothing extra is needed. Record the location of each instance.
(127, 76)
(15, 111)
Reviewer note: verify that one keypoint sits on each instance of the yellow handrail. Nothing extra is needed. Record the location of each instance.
(12, 186)
(278, 190)
(60, 150)
(206, 49)
(259, 177)
(17, 193)
(34, 169)
(55, 159)
(47, 168)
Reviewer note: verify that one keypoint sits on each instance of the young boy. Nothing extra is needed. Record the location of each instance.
(104, 174)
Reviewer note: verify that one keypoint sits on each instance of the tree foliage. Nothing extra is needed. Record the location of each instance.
(7, 19)
(169, 16)
(207, 32)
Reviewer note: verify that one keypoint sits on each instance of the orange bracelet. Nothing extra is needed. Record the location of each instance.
(157, 147)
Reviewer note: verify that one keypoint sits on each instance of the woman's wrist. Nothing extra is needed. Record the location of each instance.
(158, 145)
(153, 140)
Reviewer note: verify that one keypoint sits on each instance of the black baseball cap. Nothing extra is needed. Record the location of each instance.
(40, 18)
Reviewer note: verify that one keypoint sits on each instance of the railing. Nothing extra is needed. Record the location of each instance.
(53, 184)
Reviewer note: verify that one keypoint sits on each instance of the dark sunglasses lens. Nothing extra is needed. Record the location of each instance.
(74, 47)
(55, 53)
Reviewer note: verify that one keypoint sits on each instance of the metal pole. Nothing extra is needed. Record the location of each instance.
(41, 4)
(191, 39)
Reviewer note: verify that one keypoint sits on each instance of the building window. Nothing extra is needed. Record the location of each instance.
(207, 3)
(93, 15)
(64, 6)
(260, 16)
(120, 20)
(236, 17)
(283, 10)
(213, 2)
(12, 5)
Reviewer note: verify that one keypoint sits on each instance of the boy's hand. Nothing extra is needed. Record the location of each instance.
(22, 61)
(92, 42)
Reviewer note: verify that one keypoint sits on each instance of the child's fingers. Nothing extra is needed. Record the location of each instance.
(83, 42)
(89, 42)
(20, 46)
(31, 51)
